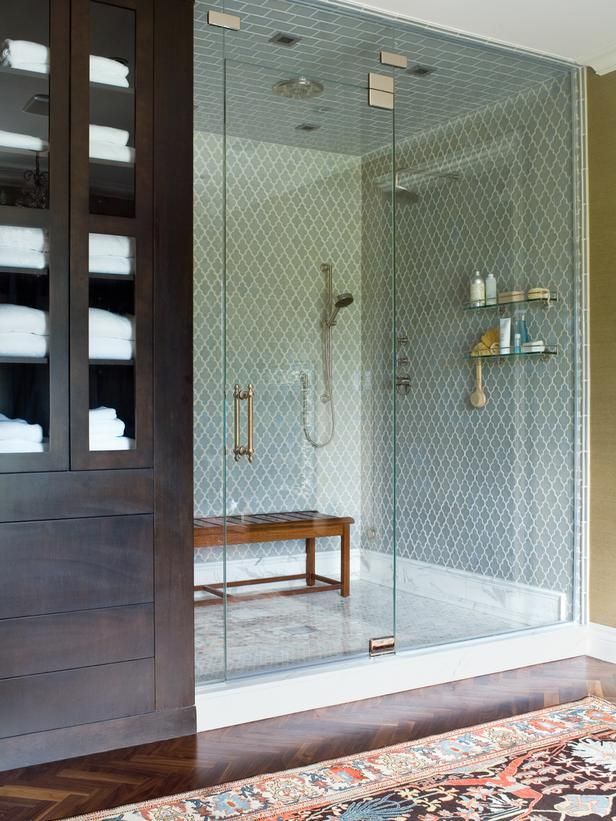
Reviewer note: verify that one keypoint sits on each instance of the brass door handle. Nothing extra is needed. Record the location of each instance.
(239, 450)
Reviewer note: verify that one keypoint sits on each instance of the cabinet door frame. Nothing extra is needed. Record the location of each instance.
(56, 220)
(140, 226)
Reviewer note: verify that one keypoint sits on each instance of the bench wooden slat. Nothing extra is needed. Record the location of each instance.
(210, 531)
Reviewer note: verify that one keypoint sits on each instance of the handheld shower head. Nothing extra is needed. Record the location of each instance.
(341, 301)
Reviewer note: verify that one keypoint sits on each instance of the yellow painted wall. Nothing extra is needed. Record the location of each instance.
(602, 200)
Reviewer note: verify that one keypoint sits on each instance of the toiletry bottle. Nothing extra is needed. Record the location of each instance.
(520, 331)
(490, 289)
(478, 290)
(504, 340)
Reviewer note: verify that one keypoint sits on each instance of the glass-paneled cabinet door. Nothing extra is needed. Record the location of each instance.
(111, 245)
(34, 91)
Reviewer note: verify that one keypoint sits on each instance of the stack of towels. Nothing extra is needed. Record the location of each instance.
(107, 431)
(108, 143)
(112, 336)
(24, 331)
(111, 254)
(17, 436)
(27, 56)
(23, 247)
(11, 139)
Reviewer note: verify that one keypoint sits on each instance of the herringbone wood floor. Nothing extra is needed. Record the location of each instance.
(65, 788)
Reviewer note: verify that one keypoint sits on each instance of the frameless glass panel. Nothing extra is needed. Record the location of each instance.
(486, 429)
(208, 349)
(112, 342)
(24, 103)
(112, 110)
(306, 388)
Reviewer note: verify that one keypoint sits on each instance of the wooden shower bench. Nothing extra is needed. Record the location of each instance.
(278, 527)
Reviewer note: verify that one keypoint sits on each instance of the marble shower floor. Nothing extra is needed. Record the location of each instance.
(282, 632)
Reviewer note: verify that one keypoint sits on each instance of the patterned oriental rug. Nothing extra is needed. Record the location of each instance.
(555, 764)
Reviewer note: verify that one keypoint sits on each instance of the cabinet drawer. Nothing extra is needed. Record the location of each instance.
(41, 644)
(75, 564)
(28, 496)
(33, 703)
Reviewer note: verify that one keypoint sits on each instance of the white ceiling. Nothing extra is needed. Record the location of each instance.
(583, 32)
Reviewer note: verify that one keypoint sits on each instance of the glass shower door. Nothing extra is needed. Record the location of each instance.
(307, 573)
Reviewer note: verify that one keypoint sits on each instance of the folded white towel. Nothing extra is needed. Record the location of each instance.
(106, 427)
(16, 52)
(107, 79)
(102, 413)
(21, 446)
(38, 68)
(111, 265)
(20, 429)
(28, 56)
(23, 319)
(109, 245)
(108, 68)
(10, 139)
(106, 134)
(111, 443)
(112, 151)
(23, 344)
(104, 347)
(28, 239)
(106, 323)
(11, 257)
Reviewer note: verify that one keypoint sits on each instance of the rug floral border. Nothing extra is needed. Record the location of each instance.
(605, 720)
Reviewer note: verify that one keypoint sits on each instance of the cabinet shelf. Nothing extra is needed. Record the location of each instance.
(116, 277)
(26, 217)
(30, 272)
(109, 88)
(24, 360)
(95, 363)
(544, 301)
(28, 78)
(14, 151)
(111, 163)
(550, 350)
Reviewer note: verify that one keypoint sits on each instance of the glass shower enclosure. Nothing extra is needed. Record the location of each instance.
(350, 177)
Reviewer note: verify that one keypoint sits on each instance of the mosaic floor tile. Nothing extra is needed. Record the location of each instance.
(283, 632)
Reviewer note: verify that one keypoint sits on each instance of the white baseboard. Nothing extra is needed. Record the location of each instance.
(327, 562)
(521, 603)
(238, 702)
(601, 642)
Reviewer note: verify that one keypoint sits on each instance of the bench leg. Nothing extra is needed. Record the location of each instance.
(345, 561)
(310, 561)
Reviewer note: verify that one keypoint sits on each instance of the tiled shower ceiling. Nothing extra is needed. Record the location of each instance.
(339, 48)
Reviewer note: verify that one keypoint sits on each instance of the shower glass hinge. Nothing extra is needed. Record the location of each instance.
(389, 58)
(380, 91)
(222, 20)
(382, 646)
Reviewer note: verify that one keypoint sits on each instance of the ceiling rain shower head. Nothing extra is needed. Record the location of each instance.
(341, 301)
(299, 88)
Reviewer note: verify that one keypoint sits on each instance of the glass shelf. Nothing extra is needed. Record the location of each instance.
(545, 301)
(550, 350)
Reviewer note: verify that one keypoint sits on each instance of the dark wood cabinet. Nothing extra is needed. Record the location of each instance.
(96, 635)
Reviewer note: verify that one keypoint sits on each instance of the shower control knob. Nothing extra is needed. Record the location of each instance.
(403, 384)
